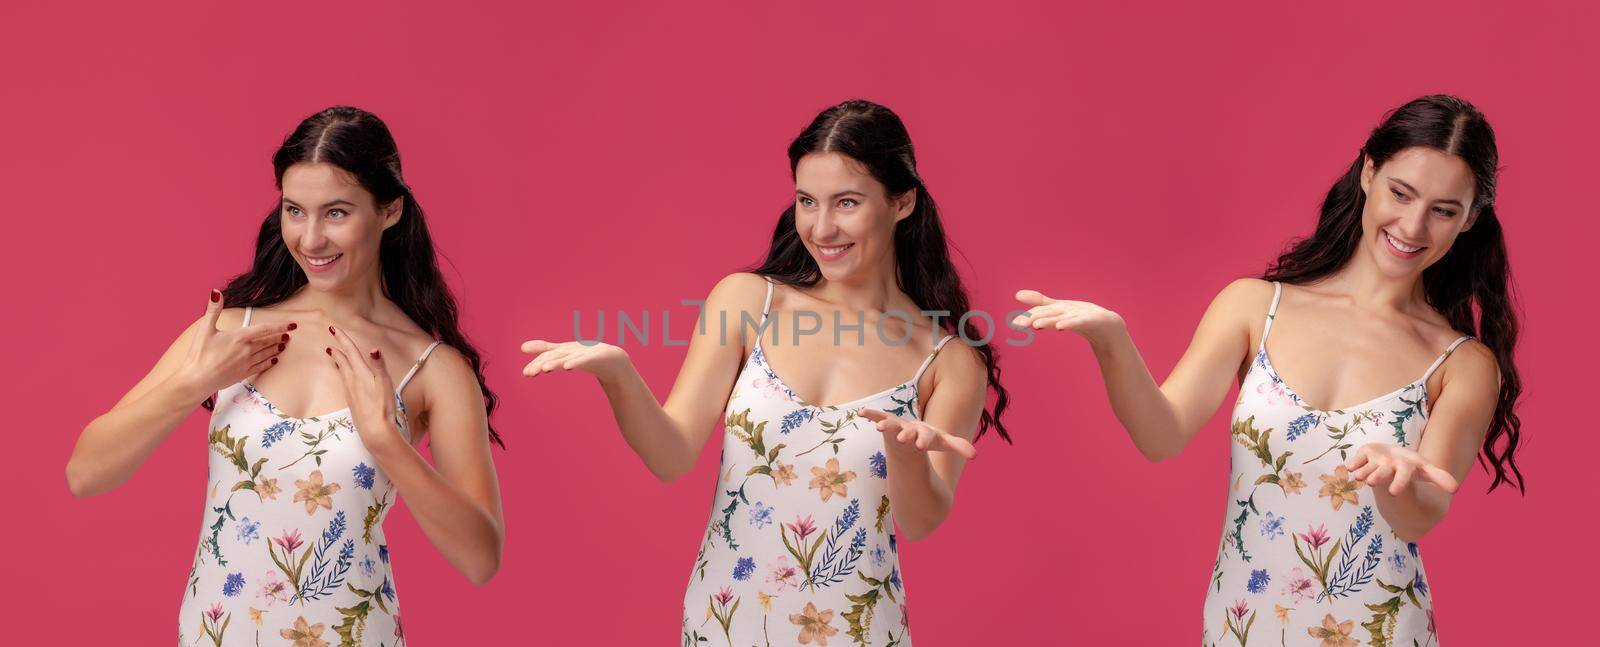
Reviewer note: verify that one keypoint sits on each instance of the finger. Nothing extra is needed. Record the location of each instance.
(266, 351)
(1365, 470)
(380, 370)
(1402, 479)
(357, 359)
(957, 445)
(926, 437)
(265, 331)
(536, 346)
(875, 414)
(552, 360)
(1034, 298)
(1381, 476)
(213, 311)
(531, 369)
(261, 366)
(341, 363)
(1438, 476)
(1048, 321)
(1358, 460)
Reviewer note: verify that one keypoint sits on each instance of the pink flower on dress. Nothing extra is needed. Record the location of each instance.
(772, 387)
(290, 540)
(802, 527)
(1316, 536)
(725, 596)
(1298, 586)
(1275, 394)
(784, 575)
(215, 612)
(1239, 609)
(273, 588)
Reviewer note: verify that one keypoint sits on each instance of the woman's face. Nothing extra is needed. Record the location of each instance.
(331, 224)
(1417, 203)
(845, 217)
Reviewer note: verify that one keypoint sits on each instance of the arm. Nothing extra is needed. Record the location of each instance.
(457, 500)
(926, 457)
(1161, 420)
(1421, 483)
(667, 437)
(198, 363)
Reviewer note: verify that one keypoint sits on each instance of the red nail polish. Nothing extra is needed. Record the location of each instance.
(285, 337)
(216, 296)
(274, 360)
(292, 326)
(280, 348)
(376, 354)
(330, 330)
(329, 351)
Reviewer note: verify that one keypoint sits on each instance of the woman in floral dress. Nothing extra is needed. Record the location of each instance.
(291, 546)
(818, 483)
(1336, 472)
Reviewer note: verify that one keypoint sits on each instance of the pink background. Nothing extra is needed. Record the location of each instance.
(579, 155)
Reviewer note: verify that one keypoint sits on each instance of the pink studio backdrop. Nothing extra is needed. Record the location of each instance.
(580, 155)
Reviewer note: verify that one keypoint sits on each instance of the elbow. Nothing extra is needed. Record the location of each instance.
(485, 568)
(79, 482)
(670, 472)
(482, 574)
(1157, 454)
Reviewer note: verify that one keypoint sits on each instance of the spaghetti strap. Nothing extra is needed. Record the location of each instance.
(1272, 312)
(1443, 356)
(417, 365)
(767, 305)
(929, 361)
(247, 310)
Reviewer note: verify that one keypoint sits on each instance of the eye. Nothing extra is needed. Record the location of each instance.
(292, 210)
(337, 213)
(847, 203)
(1444, 212)
(1403, 198)
(807, 202)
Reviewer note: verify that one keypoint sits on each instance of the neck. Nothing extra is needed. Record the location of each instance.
(866, 292)
(1370, 289)
(353, 301)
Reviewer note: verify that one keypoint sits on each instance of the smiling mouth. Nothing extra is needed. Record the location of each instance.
(322, 261)
(1400, 246)
(834, 251)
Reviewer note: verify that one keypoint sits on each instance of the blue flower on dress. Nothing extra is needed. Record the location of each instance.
(1271, 526)
(894, 577)
(1301, 425)
(1397, 561)
(249, 530)
(234, 585)
(794, 419)
(879, 555)
(383, 553)
(275, 433)
(894, 546)
(368, 566)
(1420, 584)
(1258, 581)
(743, 568)
(879, 465)
(364, 476)
(761, 515)
(387, 589)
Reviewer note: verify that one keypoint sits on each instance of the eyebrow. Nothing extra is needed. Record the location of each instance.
(1414, 190)
(326, 205)
(836, 195)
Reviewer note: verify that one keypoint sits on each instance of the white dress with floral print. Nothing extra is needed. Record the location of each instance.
(291, 549)
(1305, 557)
(800, 547)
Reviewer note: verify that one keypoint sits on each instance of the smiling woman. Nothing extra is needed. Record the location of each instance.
(345, 250)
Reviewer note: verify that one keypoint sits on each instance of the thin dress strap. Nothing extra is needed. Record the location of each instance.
(1272, 312)
(929, 361)
(247, 310)
(767, 305)
(424, 357)
(1443, 356)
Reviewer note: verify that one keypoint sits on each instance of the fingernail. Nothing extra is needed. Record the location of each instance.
(285, 337)
(329, 351)
(216, 296)
(292, 326)
(280, 348)
(330, 330)
(376, 354)
(274, 360)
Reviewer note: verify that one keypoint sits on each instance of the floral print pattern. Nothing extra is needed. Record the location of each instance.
(1323, 561)
(283, 570)
(800, 547)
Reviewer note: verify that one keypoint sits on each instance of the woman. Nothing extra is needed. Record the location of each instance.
(1335, 477)
(292, 538)
(801, 545)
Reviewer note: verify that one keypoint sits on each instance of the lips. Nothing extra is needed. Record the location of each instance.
(834, 252)
(322, 263)
(1401, 248)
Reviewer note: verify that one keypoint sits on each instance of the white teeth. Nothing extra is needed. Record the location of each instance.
(830, 251)
(1399, 245)
(322, 261)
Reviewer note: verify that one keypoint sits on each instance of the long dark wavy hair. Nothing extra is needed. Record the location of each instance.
(875, 137)
(1475, 272)
(359, 142)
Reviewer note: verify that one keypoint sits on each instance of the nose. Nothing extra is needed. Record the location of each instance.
(1413, 224)
(312, 236)
(825, 226)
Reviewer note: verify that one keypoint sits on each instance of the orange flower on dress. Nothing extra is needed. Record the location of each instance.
(830, 481)
(304, 635)
(1339, 488)
(315, 493)
(1334, 634)
(814, 625)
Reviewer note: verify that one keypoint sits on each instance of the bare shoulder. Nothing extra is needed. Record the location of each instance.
(1247, 295)
(1474, 360)
(736, 291)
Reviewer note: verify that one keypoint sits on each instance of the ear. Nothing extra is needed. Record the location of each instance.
(1368, 171)
(1472, 219)
(391, 212)
(904, 204)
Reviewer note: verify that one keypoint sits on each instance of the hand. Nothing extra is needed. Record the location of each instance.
(218, 358)
(919, 434)
(1093, 322)
(367, 388)
(600, 360)
(1384, 464)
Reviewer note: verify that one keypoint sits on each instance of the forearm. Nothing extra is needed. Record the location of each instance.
(1138, 402)
(468, 535)
(113, 446)
(647, 428)
(921, 499)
